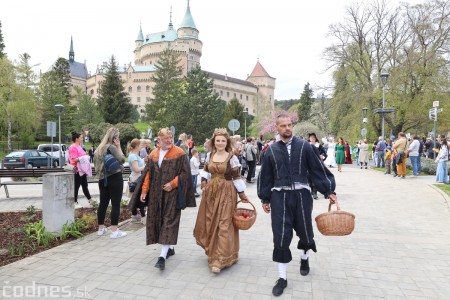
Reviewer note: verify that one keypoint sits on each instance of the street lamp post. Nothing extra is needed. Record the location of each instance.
(364, 131)
(245, 122)
(384, 77)
(59, 109)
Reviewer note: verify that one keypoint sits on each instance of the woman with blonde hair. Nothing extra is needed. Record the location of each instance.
(221, 184)
(137, 165)
(111, 184)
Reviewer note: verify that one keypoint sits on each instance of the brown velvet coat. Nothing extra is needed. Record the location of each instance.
(163, 218)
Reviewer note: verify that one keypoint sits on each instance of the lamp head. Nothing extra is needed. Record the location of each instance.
(59, 108)
(365, 109)
(384, 77)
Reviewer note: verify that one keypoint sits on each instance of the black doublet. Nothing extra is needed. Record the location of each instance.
(290, 208)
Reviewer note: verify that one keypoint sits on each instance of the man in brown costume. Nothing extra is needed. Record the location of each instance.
(167, 186)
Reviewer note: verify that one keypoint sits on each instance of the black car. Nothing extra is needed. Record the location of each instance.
(28, 159)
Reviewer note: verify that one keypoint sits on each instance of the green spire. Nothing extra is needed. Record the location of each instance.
(188, 21)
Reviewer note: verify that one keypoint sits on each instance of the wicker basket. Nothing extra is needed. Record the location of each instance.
(335, 223)
(240, 221)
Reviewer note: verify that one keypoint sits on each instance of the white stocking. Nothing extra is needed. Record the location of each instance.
(282, 270)
(164, 250)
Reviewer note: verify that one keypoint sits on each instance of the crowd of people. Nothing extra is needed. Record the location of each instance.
(167, 178)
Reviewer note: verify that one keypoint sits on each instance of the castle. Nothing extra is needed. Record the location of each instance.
(256, 93)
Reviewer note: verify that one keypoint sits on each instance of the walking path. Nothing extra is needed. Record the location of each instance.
(399, 250)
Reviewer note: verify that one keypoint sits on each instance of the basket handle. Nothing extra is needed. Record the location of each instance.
(337, 206)
(254, 208)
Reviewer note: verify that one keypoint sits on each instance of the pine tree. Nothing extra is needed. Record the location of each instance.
(113, 101)
(167, 92)
(61, 71)
(306, 101)
(200, 110)
(2, 45)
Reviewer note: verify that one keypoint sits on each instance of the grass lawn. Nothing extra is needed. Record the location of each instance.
(444, 187)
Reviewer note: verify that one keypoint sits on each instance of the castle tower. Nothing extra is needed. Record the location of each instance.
(189, 42)
(71, 52)
(266, 88)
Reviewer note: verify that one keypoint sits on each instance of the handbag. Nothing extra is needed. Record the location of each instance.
(110, 164)
(70, 168)
(132, 186)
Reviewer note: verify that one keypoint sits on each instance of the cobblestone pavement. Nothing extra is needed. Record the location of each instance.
(400, 249)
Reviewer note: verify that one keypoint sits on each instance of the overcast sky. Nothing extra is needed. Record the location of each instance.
(288, 36)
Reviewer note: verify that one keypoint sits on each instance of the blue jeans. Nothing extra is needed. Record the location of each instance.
(194, 181)
(415, 164)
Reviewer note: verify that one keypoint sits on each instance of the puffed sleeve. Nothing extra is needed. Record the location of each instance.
(235, 171)
(205, 172)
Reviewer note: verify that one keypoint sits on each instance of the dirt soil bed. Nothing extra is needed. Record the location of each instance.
(13, 236)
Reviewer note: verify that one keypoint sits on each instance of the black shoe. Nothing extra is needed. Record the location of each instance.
(279, 287)
(304, 267)
(170, 253)
(161, 263)
(315, 196)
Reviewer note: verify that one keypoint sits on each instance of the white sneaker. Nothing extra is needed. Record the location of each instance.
(102, 231)
(117, 234)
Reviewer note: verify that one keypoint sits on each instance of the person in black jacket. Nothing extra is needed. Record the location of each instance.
(284, 192)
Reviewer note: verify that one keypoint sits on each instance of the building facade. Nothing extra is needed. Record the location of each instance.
(256, 93)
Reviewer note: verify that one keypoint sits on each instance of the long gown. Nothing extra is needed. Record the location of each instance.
(330, 161)
(348, 152)
(340, 154)
(214, 230)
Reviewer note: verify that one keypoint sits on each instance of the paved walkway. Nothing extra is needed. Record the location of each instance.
(400, 249)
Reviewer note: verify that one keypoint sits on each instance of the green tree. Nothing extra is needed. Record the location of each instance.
(113, 101)
(97, 131)
(61, 70)
(2, 45)
(50, 93)
(18, 113)
(26, 77)
(168, 91)
(87, 111)
(235, 110)
(200, 110)
(306, 101)
(127, 133)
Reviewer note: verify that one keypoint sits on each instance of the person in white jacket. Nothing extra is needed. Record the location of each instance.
(195, 169)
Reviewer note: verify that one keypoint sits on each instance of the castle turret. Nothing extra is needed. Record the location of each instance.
(187, 27)
(71, 52)
(266, 87)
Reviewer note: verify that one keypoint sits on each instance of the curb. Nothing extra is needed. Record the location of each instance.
(443, 194)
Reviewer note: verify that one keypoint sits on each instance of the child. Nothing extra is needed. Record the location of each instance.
(195, 169)
(387, 160)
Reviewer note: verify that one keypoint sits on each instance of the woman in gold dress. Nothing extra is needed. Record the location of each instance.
(221, 184)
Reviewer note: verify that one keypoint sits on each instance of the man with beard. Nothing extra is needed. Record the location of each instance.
(284, 192)
(167, 185)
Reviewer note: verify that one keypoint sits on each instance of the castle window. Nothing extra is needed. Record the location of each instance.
(270, 98)
(221, 93)
(247, 97)
(228, 94)
(147, 88)
(241, 96)
(138, 99)
(130, 89)
(235, 95)
(147, 99)
(254, 111)
(139, 88)
(92, 92)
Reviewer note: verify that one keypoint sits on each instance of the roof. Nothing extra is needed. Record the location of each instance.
(144, 68)
(78, 69)
(169, 35)
(140, 36)
(230, 79)
(259, 71)
(188, 21)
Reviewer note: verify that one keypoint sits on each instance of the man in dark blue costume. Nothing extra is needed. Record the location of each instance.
(284, 191)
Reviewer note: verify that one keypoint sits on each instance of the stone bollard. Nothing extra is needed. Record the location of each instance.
(57, 200)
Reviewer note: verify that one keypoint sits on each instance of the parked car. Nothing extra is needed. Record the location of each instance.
(28, 159)
(53, 150)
